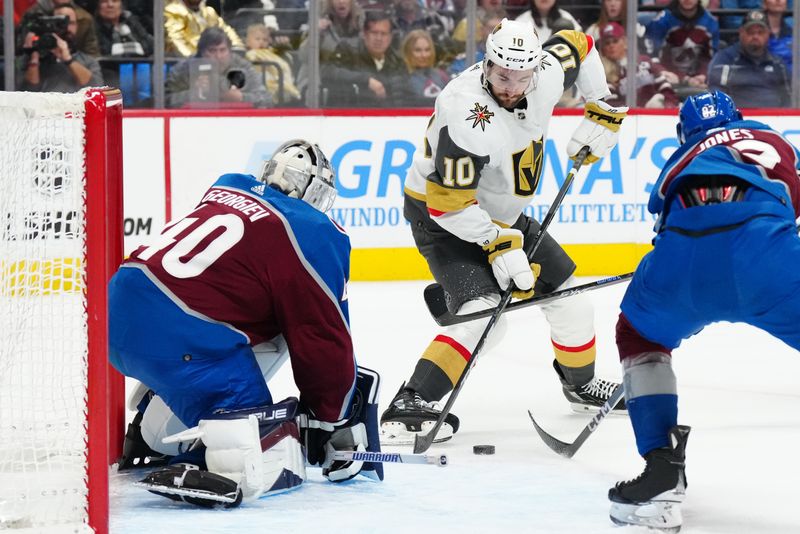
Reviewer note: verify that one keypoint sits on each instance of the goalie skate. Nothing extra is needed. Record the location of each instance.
(653, 498)
(184, 482)
(409, 415)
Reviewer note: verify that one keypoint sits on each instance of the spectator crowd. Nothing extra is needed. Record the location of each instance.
(390, 53)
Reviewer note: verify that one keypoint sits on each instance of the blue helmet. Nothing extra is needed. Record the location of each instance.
(702, 112)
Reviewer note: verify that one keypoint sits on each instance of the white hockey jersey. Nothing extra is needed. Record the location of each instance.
(480, 163)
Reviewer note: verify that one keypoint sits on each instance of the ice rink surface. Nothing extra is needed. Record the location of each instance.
(739, 390)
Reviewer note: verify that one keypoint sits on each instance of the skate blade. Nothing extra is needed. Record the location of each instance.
(186, 492)
(662, 516)
(396, 433)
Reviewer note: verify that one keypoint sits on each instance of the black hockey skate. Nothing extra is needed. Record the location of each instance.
(136, 452)
(409, 415)
(653, 498)
(187, 483)
(590, 396)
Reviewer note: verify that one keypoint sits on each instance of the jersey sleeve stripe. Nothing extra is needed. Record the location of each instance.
(579, 41)
(414, 194)
(445, 200)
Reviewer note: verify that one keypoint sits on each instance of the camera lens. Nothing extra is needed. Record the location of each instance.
(45, 42)
(237, 79)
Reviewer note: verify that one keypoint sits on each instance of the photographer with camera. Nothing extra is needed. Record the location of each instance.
(215, 77)
(85, 38)
(52, 63)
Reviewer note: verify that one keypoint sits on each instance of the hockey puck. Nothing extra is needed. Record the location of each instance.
(483, 449)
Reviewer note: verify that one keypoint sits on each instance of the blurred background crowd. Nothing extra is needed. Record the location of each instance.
(383, 53)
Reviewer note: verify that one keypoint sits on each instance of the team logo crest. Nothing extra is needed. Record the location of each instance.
(480, 116)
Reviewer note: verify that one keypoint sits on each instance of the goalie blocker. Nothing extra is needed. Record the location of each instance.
(262, 451)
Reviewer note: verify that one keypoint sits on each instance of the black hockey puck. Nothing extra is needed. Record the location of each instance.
(483, 449)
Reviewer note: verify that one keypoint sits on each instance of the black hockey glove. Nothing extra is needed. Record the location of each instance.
(357, 433)
(323, 439)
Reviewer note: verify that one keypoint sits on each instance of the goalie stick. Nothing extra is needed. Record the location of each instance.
(435, 300)
(392, 457)
(569, 449)
(422, 442)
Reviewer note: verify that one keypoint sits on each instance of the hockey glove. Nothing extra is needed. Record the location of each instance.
(510, 263)
(599, 130)
(323, 439)
(360, 432)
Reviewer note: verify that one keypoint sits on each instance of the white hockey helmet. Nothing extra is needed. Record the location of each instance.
(513, 45)
(301, 170)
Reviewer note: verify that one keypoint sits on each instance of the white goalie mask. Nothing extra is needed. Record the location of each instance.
(301, 170)
(513, 55)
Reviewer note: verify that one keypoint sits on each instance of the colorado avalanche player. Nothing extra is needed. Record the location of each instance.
(256, 264)
(726, 249)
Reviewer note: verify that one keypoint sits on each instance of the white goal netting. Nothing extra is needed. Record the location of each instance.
(43, 320)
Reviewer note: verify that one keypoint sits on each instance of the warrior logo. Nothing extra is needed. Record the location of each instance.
(480, 115)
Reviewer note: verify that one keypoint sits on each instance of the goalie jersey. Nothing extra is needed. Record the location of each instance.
(261, 264)
(480, 164)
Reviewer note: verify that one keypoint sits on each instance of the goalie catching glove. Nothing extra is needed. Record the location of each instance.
(359, 432)
(599, 130)
(510, 263)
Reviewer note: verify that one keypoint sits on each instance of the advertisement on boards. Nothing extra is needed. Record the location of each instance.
(607, 203)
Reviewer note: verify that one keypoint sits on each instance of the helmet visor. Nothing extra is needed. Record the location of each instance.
(510, 84)
(320, 195)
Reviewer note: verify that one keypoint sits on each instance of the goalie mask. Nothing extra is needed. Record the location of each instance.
(301, 170)
(511, 63)
(703, 112)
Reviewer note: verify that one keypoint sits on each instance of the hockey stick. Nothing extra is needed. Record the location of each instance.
(393, 457)
(434, 298)
(569, 449)
(422, 442)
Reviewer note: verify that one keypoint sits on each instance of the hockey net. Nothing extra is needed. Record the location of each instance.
(61, 408)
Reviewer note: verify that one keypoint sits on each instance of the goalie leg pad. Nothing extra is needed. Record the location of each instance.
(368, 383)
(259, 448)
(158, 421)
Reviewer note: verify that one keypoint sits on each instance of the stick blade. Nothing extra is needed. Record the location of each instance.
(558, 446)
(423, 442)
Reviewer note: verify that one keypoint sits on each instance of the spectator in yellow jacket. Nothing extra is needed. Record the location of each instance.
(185, 20)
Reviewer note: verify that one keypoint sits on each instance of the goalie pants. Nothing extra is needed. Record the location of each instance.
(733, 262)
(195, 365)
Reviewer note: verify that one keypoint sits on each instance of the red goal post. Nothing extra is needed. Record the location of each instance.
(61, 404)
